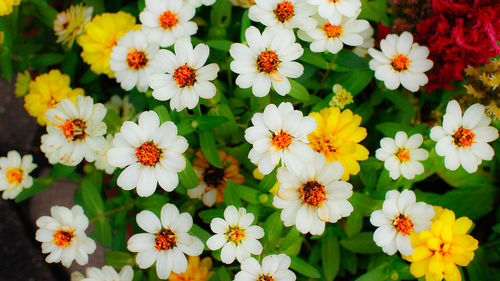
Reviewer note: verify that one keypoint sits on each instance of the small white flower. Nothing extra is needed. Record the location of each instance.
(166, 21)
(14, 173)
(400, 62)
(235, 235)
(274, 267)
(330, 10)
(166, 242)
(463, 140)
(107, 273)
(314, 197)
(198, 3)
(280, 133)
(75, 131)
(268, 59)
(368, 42)
(63, 236)
(187, 77)
(332, 35)
(288, 14)
(151, 153)
(123, 107)
(133, 61)
(101, 162)
(402, 155)
(399, 217)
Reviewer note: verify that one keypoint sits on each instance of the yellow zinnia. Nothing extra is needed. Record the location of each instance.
(99, 37)
(437, 251)
(196, 271)
(46, 91)
(337, 136)
(6, 6)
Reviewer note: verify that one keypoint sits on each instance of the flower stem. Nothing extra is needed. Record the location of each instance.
(112, 211)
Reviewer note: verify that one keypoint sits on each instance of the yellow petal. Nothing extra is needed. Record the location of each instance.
(436, 264)
(419, 268)
(462, 225)
(451, 272)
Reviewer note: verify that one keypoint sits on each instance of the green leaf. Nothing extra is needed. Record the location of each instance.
(46, 13)
(102, 232)
(98, 5)
(361, 243)
(185, 127)
(304, 268)
(46, 60)
(330, 256)
(113, 121)
(314, 59)
(348, 60)
(298, 91)
(162, 112)
(268, 181)
(401, 102)
(188, 177)
(363, 203)
(88, 77)
(354, 224)
(219, 44)
(231, 196)
(69, 62)
(92, 199)
(118, 259)
(380, 272)
(222, 275)
(209, 122)
(291, 237)
(208, 215)
(153, 203)
(273, 228)
(200, 233)
(375, 11)
(209, 148)
(59, 171)
(355, 81)
(245, 23)
(39, 184)
(247, 193)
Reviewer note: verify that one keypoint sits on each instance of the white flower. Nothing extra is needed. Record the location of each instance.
(368, 42)
(14, 174)
(74, 132)
(399, 217)
(332, 35)
(235, 235)
(166, 241)
(151, 153)
(274, 267)
(166, 21)
(280, 133)
(197, 3)
(330, 10)
(268, 59)
(63, 236)
(464, 140)
(68, 24)
(288, 14)
(400, 62)
(107, 273)
(101, 162)
(314, 197)
(187, 77)
(123, 107)
(133, 61)
(402, 155)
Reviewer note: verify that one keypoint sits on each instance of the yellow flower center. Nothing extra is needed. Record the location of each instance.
(63, 237)
(266, 277)
(333, 31)
(403, 224)
(235, 234)
(464, 137)
(168, 20)
(268, 61)
(14, 175)
(165, 240)
(284, 11)
(312, 193)
(137, 59)
(73, 129)
(400, 62)
(281, 140)
(403, 155)
(185, 76)
(148, 154)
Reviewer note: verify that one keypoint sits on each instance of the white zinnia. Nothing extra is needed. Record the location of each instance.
(402, 155)
(63, 236)
(288, 14)
(106, 273)
(314, 197)
(330, 10)
(166, 21)
(274, 267)
(198, 3)
(280, 133)
(463, 140)
(151, 154)
(101, 162)
(368, 42)
(400, 62)
(267, 60)
(14, 173)
(75, 131)
(187, 77)
(399, 217)
(166, 242)
(236, 235)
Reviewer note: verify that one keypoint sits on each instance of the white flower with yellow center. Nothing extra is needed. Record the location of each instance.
(166, 21)
(331, 9)
(63, 236)
(165, 242)
(267, 60)
(274, 268)
(187, 78)
(68, 24)
(402, 155)
(198, 3)
(400, 62)
(316, 196)
(151, 154)
(14, 173)
(400, 216)
(106, 273)
(280, 133)
(101, 162)
(236, 235)
(75, 131)
(463, 140)
(288, 14)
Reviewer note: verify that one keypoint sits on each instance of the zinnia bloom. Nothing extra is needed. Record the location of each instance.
(6, 6)
(101, 161)
(337, 137)
(288, 14)
(106, 273)
(330, 10)
(273, 268)
(196, 271)
(68, 24)
(14, 173)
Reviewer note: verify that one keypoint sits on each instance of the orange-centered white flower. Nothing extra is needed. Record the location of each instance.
(14, 173)
(273, 268)
(287, 14)
(331, 9)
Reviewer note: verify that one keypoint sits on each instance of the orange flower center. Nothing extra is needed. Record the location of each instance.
(403, 154)
(281, 140)
(73, 129)
(168, 20)
(184, 76)
(321, 144)
(266, 277)
(284, 11)
(148, 154)
(333, 31)
(403, 224)
(14, 175)
(165, 240)
(235, 234)
(464, 137)
(400, 62)
(213, 176)
(268, 61)
(312, 193)
(63, 237)
(137, 59)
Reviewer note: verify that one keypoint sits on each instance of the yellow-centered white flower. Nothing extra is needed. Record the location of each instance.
(331, 9)
(106, 273)
(14, 173)
(274, 268)
(287, 14)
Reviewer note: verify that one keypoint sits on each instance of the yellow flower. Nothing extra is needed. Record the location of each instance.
(69, 24)
(196, 271)
(100, 36)
(46, 91)
(22, 83)
(337, 136)
(6, 6)
(342, 97)
(437, 251)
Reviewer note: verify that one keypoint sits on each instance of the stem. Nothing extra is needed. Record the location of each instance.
(112, 211)
(271, 97)
(322, 83)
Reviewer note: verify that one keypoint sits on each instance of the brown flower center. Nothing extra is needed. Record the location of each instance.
(14, 175)
(403, 224)
(63, 237)
(333, 31)
(168, 20)
(268, 61)
(148, 153)
(185, 76)
(312, 193)
(235, 234)
(281, 140)
(165, 240)
(400, 62)
(284, 11)
(403, 155)
(213, 176)
(137, 59)
(266, 277)
(464, 137)
(73, 129)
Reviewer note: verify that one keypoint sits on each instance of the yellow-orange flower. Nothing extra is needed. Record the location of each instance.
(46, 91)
(197, 270)
(6, 6)
(438, 251)
(337, 136)
(69, 24)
